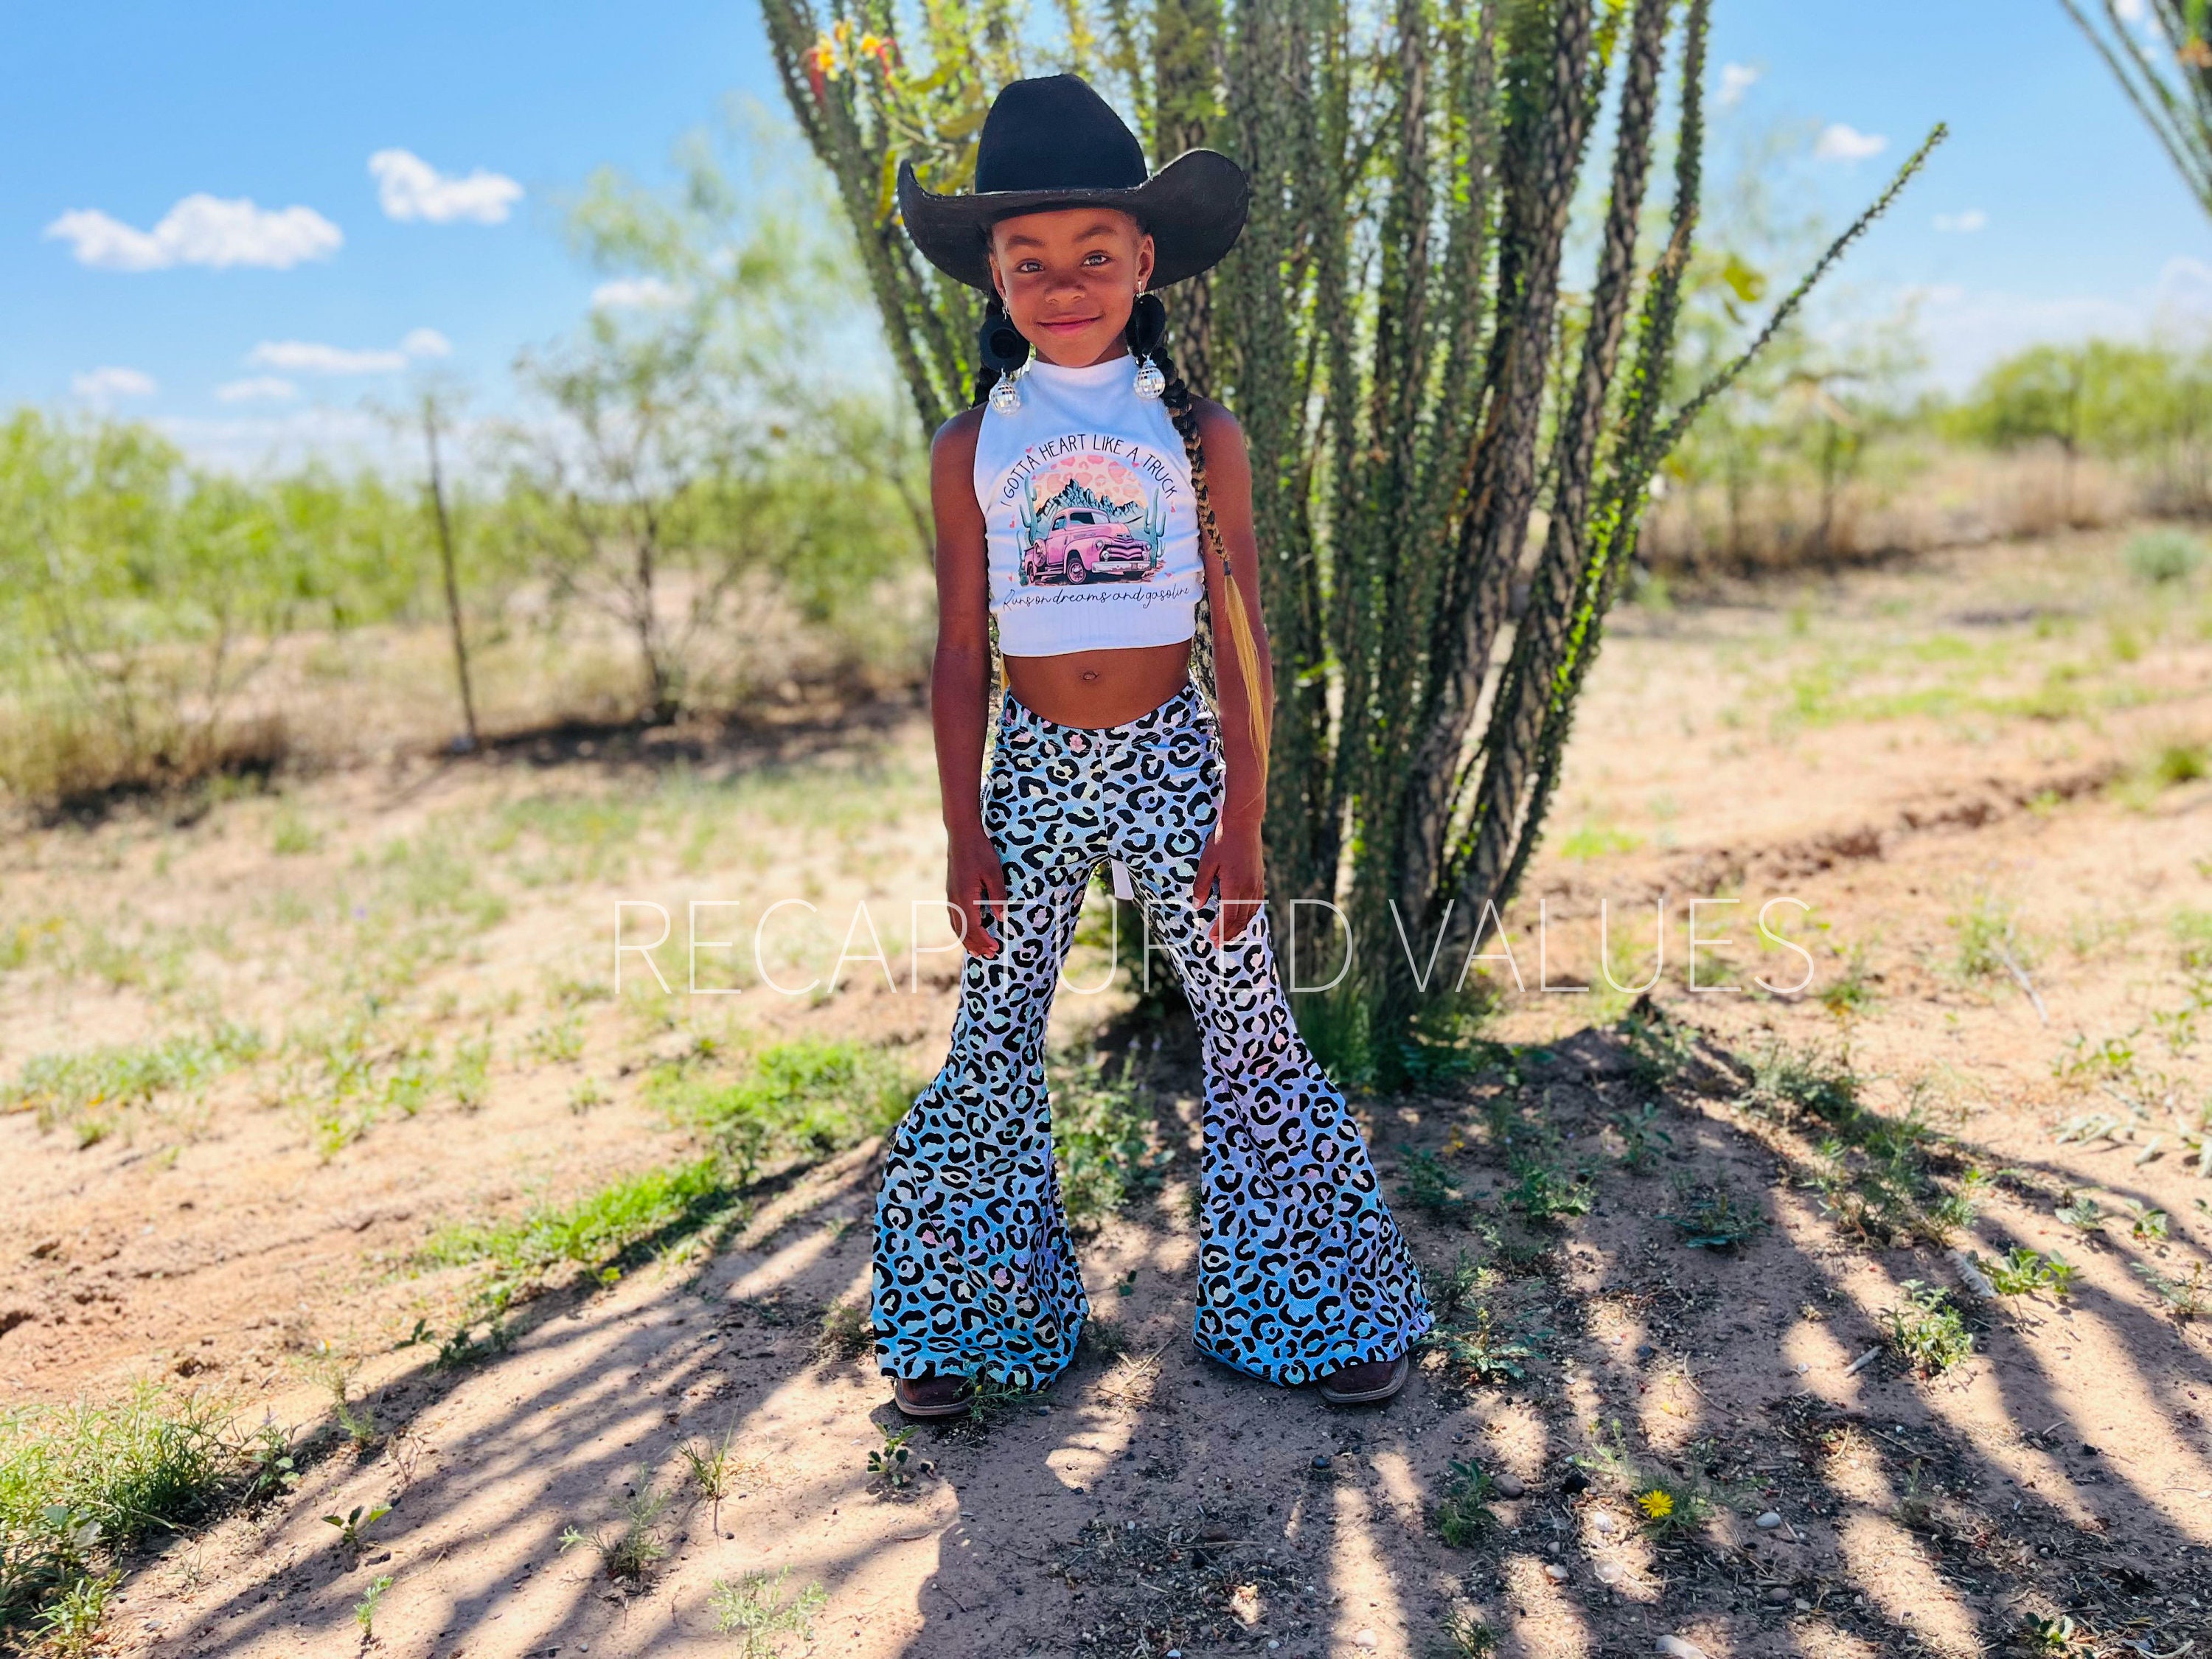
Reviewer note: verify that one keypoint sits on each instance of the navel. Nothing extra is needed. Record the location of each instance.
(1090, 674)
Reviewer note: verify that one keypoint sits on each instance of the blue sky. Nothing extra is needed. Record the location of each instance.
(495, 108)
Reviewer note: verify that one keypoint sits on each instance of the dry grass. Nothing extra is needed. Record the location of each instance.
(1914, 499)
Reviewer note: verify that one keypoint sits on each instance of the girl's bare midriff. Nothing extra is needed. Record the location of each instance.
(1098, 688)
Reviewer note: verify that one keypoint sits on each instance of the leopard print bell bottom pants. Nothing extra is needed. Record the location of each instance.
(1301, 1267)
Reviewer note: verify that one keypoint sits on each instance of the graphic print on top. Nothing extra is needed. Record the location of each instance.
(1088, 515)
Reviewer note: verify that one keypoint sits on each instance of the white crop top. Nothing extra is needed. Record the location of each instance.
(1089, 521)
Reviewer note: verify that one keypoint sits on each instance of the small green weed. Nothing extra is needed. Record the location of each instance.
(1671, 1508)
(629, 1545)
(1851, 991)
(2111, 1058)
(2041, 1635)
(291, 834)
(1927, 1333)
(991, 1402)
(2145, 1223)
(2084, 1215)
(1990, 946)
(2187, 1298)
(893, 1460)
(468, 1077)
(70, 1623)
(271, 1467)
(753, 1606)
(2177, 763)
(557, 1043)
(1660, 1049)
(1476, 1352)
(1432, 1187)
(1462, 1515)
(848, 1331)
(1468, 1638)
(714, 1467)
(1546, 1195)
(2023, 1272)
(353, 1526)
(359, 1422)
(364, 1611)
(1712, 1218)
(1453, 1289)
(1641, 1137)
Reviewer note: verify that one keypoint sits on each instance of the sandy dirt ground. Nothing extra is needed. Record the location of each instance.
(1967, 783)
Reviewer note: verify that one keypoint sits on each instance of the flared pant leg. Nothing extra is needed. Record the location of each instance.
(1301, 1268)
(975, 1268)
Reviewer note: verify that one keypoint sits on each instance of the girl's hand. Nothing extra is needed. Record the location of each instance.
(1232, 859)
(973, 876)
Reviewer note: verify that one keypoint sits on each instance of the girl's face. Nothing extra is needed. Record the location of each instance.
(1069, 279)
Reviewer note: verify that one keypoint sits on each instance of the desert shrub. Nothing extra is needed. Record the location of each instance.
(2160, 558)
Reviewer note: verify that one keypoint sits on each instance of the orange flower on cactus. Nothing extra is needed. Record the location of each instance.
(822, 64)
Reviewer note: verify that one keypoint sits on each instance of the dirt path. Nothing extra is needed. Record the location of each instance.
(1970, 776)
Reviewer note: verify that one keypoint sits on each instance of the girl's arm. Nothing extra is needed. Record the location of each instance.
(1233, 856)
(960, 679)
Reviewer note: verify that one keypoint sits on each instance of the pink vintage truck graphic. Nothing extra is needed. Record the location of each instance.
(1089, 520)
(1082, 545)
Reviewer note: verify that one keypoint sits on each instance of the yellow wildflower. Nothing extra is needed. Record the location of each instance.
(1656, 1503)
(871, 45)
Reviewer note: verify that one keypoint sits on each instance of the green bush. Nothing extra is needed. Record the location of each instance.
(2160, 558)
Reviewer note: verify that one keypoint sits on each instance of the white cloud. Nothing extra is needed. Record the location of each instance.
(312, 357)
(1736, 79)
(2132, 11)
(1838, 142)
(307, 357)
(200, 230)
(409, 187)
(1964, 224)
(257, 388)
(642, 292)
(101, 384)
(1967, 330)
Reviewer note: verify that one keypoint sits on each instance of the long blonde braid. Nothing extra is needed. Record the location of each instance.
(1184, 413)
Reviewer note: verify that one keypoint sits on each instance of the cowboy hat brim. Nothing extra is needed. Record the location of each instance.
(1193, 208)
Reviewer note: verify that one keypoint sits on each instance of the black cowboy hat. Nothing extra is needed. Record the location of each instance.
(1054, 143)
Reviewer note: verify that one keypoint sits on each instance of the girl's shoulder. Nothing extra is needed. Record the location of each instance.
(1217, 426)
(956, 439)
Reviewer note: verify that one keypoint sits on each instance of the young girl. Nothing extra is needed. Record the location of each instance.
(1085, 504)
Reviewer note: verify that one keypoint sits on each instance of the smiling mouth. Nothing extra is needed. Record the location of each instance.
(1069, 325)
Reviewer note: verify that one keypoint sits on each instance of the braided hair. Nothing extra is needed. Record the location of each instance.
(1004, 350)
